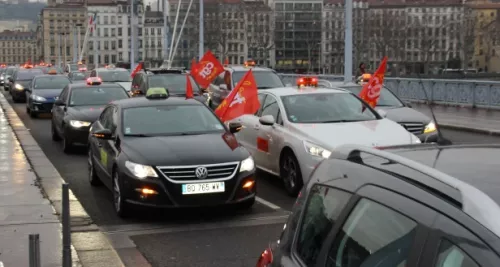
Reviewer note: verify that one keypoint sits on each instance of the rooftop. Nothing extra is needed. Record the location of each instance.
(16, 35)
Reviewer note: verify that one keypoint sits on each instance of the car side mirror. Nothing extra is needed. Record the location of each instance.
(267, 120)
(382, 113)
(136, 92)
(408, 104)
(59, 102)
(223, 87)
(235, 127)
(104, 134)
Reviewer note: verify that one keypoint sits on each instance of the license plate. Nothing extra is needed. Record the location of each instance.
(202, 188)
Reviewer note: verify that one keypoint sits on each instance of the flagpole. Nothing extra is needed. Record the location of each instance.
(132, 35)
(201, 41)
(348, 42)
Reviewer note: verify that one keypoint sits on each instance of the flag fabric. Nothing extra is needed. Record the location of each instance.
(226, 61)
(189, 88)
(242, 100)
(137, 69)
(205, 71)
(371, 90)
(193, 62)
(92, 22)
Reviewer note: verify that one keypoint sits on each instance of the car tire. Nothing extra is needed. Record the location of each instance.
(291, 174)
(93, 178)
(15, 99)
(122, 208)
(67, 145)
(32, 113)
(55, 135)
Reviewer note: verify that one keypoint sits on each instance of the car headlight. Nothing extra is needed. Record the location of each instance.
(79, 124)
(1, 78)
(19, 87)
(316, 150)
(247, 165)
(38, 98)
(431, 127)
(140, 171)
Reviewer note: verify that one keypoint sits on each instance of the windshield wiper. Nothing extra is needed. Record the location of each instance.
(190, 133)
(138, 135)
(337, 121)
(265, 87)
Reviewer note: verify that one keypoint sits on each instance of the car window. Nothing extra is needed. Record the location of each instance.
(96, 96)
(270, 107)
(175, 83)
(54, 82)
(115, 76)
(64, 94)
(28, 75)
(452, 256)
(164, 120)
(321, 212)
(386, 99)
(106, 118)
(264, 79)
(78, 76)
(262, 98)
(219, 80)
(326, 107)
(373, 235)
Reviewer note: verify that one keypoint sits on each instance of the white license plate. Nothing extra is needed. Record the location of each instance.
(203, 188)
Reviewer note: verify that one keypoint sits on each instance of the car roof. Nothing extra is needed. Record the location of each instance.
(145, 102)
(51, 75)
(286, 91)
(102, 85)
(342, 84)
(472, 176)
(243, 68)
(111, 69)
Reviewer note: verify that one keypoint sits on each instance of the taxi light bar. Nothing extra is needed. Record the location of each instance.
(82, 69)
(307, 81)
(94, 81)
(250, 63)
(157, 93)
(52, 72)
(364, 78)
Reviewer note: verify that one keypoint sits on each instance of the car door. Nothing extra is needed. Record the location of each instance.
(247, 135)
(380, 228)
(109, 146)
(454, 245)
(58, 112)
(99, 146)
(261, 135)
(270, 139)
(29, 91)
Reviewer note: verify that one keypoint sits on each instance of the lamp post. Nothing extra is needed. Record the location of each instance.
(348, 42)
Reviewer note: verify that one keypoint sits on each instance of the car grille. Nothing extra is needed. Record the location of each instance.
(413, 127)
(187, 173)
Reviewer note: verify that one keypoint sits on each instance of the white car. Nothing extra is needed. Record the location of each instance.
(116, 75)
(296, 128)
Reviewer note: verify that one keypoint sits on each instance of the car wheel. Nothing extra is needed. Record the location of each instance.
(290, 174)
(55, 135)
(32, 113)
(67, 145)
(121, 207)
(15, 99)
(93, 178)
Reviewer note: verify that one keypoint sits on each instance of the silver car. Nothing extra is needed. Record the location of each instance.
(295, 129)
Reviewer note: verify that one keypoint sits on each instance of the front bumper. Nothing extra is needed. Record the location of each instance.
(77, 135)
(428, 137)
(169, 195)
(41, 107)
(19, 94)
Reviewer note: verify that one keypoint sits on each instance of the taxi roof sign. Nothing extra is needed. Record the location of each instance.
(52, 72)
(307, 81)
(94, 81)
(157, 93)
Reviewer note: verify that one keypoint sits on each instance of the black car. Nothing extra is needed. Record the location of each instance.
(422, 206)
(43, 91)
(9, 72)
(169, 152)
(21, 81)
(174, 80)
(77, 107)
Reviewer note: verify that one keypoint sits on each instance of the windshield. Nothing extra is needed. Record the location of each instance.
(79, 76)
(264, 79)
(115, 76)
(55, 82)
(174, 83)
(164, 120)
(326, 108)
(28, 75)
(96, 96)
(386, 99)
(76, 67)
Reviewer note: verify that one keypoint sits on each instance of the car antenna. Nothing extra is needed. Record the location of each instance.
(441, 140)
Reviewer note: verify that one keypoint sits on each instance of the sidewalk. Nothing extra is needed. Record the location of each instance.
(464, 119)
(30, 203)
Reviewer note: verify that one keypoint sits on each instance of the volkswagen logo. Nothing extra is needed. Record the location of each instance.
(201, 172)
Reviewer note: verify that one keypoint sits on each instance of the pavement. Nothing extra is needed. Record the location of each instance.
(158, 238)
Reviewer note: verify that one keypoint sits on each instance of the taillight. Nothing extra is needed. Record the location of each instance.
(266, 258)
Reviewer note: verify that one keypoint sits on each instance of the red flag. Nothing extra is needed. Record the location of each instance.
(226, 61)
(205, 71)
(137, 69)
(193, 62)
(242, 99)
(189, 88)
(371, 91)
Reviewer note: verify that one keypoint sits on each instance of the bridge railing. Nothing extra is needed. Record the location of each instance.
(465, 93)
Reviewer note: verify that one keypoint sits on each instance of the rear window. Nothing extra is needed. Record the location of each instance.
(264, 79)
(55, 82)
(28, 75)
(96, 96)
(79, 76)
(174, 83)
(115, 76)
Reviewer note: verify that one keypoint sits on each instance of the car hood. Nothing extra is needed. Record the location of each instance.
(49, 94)
(85, 113)
(182, 150)
(126, 85)
(405, 114)
(382, 132)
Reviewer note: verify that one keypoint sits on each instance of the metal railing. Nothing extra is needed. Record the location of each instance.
(464, 93)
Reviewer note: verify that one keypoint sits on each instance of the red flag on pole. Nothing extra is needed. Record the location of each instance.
(189, 88)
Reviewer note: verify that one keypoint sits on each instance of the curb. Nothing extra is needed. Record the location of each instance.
(470, 129)
(91, 246)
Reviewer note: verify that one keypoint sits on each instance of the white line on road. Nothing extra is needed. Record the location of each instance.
(267, 203)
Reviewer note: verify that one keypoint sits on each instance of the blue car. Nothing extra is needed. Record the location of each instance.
(43, 92)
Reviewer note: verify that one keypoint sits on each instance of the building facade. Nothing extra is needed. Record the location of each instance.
(17, 47)
(486, 40)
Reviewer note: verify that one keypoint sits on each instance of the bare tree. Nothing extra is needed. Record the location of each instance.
(259, 31)
(490, 34)
(467, 32)
(216, 28)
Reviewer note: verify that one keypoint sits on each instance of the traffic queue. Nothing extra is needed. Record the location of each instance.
(369, 192)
